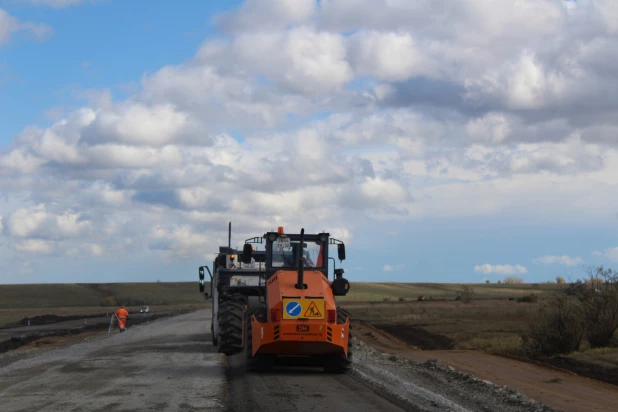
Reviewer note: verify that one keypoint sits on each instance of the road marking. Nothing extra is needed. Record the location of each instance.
(293, 309)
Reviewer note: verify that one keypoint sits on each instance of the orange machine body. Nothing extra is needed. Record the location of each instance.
(314, 331)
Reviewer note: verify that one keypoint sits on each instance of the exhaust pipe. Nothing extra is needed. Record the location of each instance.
(301, 274)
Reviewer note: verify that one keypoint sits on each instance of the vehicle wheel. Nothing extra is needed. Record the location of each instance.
(229, 318)
(212, 333)
(254, 363)
(341, 363)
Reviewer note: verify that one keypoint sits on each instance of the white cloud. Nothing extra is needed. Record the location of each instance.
(36, 246)
(96, 250)
(25, 221)
(71, 224)
(301, 59)
(501, 269)
(10, 25)
(609, 12)
(560, 260)
(333, 114)
(389, 268)
(137, 124)
(491, 128)
(610, 253)
(388, 56)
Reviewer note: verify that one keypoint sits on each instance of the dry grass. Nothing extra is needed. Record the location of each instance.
(362, 291)
(490, 325)
(94, 294)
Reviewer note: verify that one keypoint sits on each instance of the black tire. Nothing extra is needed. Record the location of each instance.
(212, 333)
(229, 318)
(253, 363)
(341, 363)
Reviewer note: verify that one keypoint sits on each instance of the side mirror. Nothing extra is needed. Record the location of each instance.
(247, 253)
(341, 251)
(201, 272)
(340, 286)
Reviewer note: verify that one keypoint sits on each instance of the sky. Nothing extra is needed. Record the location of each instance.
(441, 141)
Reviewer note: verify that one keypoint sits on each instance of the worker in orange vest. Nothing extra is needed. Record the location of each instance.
(122, 315)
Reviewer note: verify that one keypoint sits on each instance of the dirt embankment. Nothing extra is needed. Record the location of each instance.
(417, 336)
(559, 389)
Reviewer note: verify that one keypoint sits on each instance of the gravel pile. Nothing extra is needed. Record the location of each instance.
(433, 386)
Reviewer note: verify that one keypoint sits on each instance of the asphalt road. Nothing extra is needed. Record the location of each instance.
(169, 365)
(303, 389)
(161, 366)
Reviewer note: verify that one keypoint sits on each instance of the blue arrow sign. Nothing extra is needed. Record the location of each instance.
(293, 308)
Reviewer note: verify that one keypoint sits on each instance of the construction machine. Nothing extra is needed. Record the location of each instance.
(278, 303)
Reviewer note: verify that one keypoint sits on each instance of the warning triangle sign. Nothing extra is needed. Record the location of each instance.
(312, 311)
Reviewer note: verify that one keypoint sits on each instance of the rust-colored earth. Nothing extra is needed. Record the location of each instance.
(559, 389)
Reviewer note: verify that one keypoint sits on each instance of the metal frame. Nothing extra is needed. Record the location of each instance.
(270, 270)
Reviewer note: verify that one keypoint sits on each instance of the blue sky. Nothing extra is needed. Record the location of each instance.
(104, 45)
(452, 150)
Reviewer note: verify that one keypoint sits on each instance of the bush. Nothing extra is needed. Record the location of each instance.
(560, 280)
(588, 309)
(511, 280)
(466, 293)
(599, 299)
(488, 281)
(531, 298)
(109, 301)
(557, 329)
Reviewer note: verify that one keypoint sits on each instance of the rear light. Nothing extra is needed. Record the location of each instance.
(274, 315)
(332, 316)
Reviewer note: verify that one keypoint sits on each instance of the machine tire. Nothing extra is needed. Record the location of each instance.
(229, 317)
(341, 364)
(212, 333)
(253, 363)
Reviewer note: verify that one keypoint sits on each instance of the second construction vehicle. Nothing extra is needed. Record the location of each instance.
(279, 303)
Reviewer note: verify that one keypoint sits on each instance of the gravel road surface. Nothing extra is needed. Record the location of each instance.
(169, 365)
(24, 331)
(165, 365)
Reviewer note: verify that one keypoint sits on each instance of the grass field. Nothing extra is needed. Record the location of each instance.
(176, 293)
(20, 301)
(490, 325)
(99, 294)
(364, 291)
